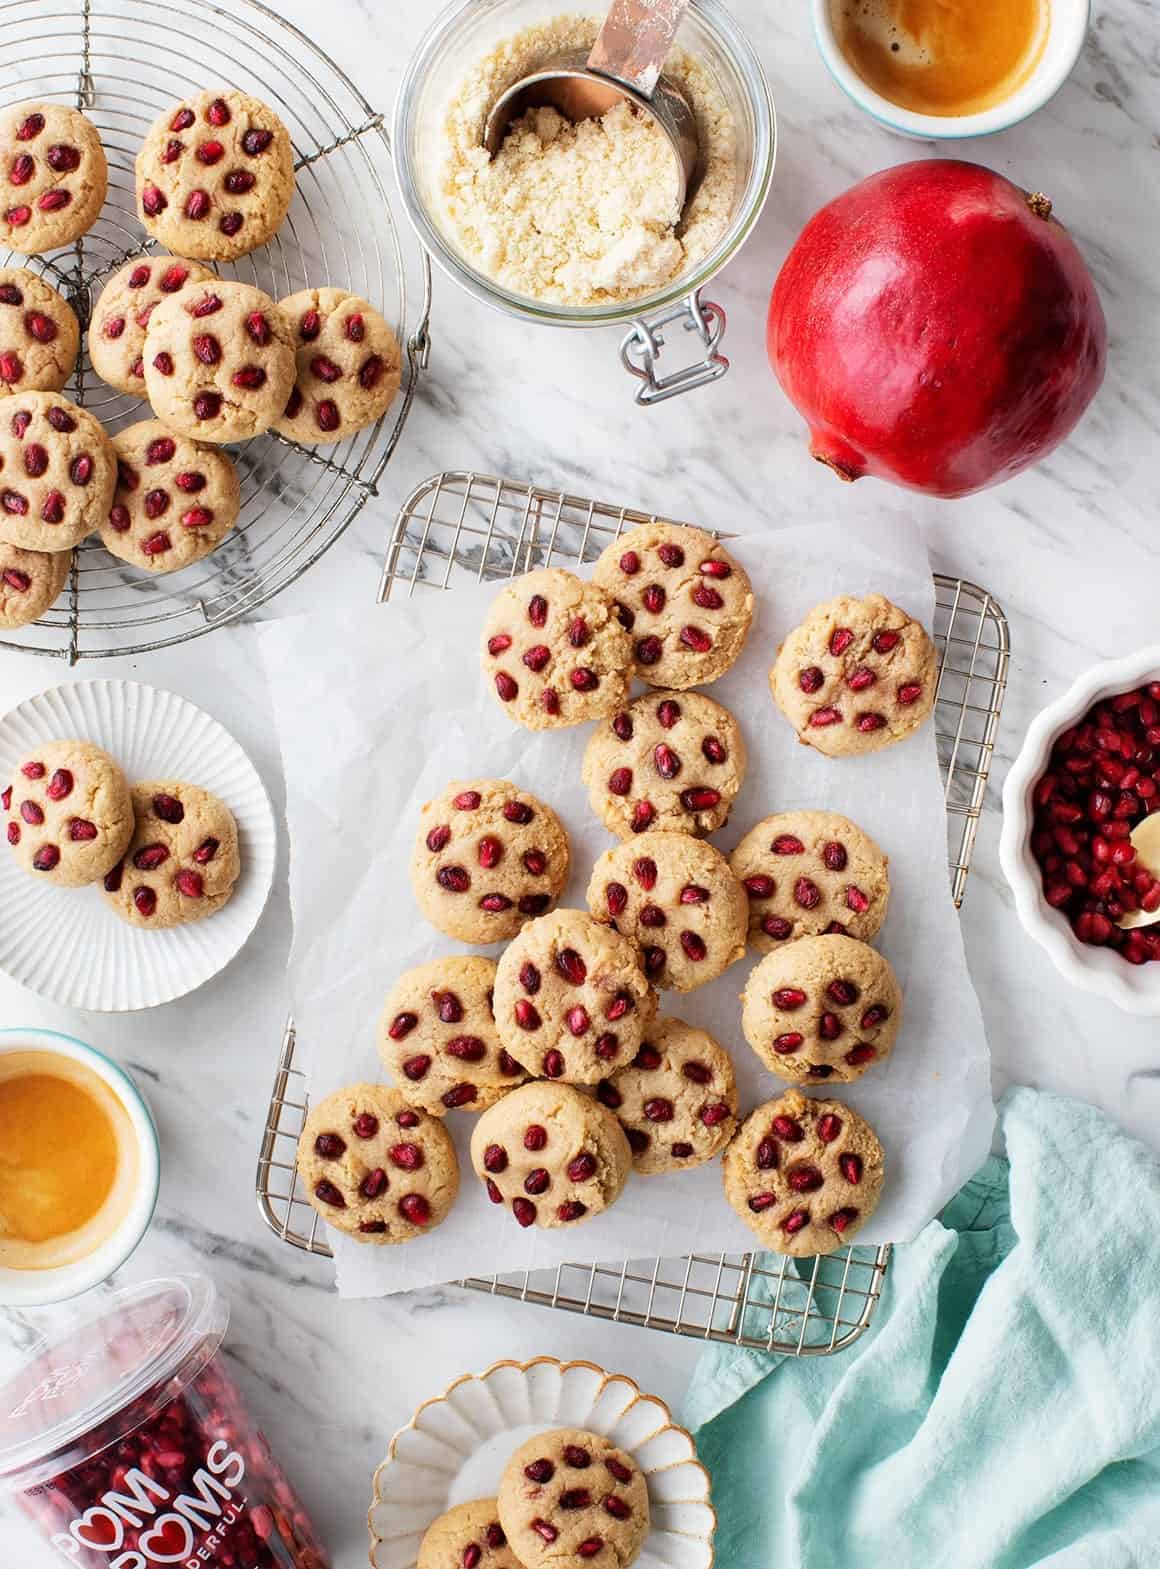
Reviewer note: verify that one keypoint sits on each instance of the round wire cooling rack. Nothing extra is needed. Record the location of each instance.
(122, 62)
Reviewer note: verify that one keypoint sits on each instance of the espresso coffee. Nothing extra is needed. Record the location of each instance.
(942, 57)
(68, 1160)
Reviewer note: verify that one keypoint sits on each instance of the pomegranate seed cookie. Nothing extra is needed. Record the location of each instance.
(670, 760)
(811, 872)
(219, 364)
(30, 581)
(438, 1037)
(856, 676)
(804, 1174)
(467, 1537)
(39, 335)
(679, 902)
(215, 176)
(488, 857)
(376, 1167)
(677, 1099)
(571, 1497)
(182, 862)
(687, 602)
(553, 651)
(175, 501)
(822, 1008)
(571, 1000)
(553, 1154)
(117, 330)
(69, 813)
(57, 176)
(349, 366)
(57, 471)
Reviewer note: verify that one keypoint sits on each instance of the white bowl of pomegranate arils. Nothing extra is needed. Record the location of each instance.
(1087, 776)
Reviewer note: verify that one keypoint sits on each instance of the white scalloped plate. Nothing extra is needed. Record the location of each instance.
(455, 1447)
(65, 943)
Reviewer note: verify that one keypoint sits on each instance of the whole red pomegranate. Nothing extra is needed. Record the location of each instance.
(935, 326)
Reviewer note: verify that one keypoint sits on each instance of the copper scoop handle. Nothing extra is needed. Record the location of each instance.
(636, 36)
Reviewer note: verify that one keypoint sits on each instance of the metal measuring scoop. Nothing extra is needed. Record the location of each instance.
(624, 65)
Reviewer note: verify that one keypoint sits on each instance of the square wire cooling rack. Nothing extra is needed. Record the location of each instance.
(460, 525)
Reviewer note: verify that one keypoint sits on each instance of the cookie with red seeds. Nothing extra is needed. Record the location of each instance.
(348, 366)
(54, 176)
(856, 676)
(30, 581)
(574, 1497)
(684, 598)
(215, 175)
(182, 863)
(551, 1155)
(375, 1166)
(175, 501)
(553, 652)
(67, 813)
(805, 873)
(57, 471)
(121, 315)
(804, 1174)
(822, 1008)
(676, 1100)
(678, 901)
(39, 334)
(468, 1536)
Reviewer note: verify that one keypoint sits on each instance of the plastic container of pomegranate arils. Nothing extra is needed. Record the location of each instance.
(1087, 775)
(129, 1444)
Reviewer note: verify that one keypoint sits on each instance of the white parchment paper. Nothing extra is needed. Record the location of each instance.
(379, 707)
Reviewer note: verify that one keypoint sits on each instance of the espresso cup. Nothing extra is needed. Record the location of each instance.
(34, 1274)
(1066, 30)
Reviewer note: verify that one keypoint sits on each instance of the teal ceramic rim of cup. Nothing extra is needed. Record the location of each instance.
(106, 1067)
(866, 98)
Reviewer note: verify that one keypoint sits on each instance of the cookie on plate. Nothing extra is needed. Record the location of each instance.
(553, 651)
(39, 335)
(488, 857)
(679, 902)
(856, 676)
(572, 1497)
(467, 1535)
(175, 501)
(30, 581)
(69, 813)
(811, 872)
(375, 1166)
(348, 366)
(437, 1036)
(822, 1008)
(57, 471)
(182, 862)
(218, 361)
(551, 1153)
(804, 1174)
(686, 601)
(676, 1100)
(215, 175)
(571, 1000)
(121, 315)
(57, 176)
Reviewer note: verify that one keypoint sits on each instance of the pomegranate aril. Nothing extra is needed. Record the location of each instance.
(584, 680)
(655, 960)
(649, 650)
(163, 363)
(207, 405)
(402, 1025)
(505, 686)
(493, 1192)
(762, 1201)
(822, 717)
(145, 901)
(787, 1129)
(861, 1054)
(866, 723)
(909, 693)
(527, 1017)
(578, 633)
(616, 898)
(32, 813)
(840, 640)
(697, 639)
(759, 886)
(794, 1222)
(693, 946)
(54, 201)
(518, 812)
(553, 1065)
(536, 658)
(466, 1048)
(886, 640)
(415, 1208)
(642, 815)
(856, 900)
(453, 879)
(524, 1211)
(329, 1145)
(35, 460)
(329, 1194)
(652, 917)
(829, 1026)
(256, 141)
(787, 1043)
(806, 893)
(805, 1179)
(30, 127)
(14, 579)
(18, 216)
(788, 998)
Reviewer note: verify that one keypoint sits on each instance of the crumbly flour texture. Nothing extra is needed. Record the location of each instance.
(580, 214)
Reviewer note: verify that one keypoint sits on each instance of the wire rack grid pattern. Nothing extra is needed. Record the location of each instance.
(460, 526)
(123, 62)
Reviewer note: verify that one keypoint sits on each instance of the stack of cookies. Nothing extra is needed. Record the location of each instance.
(558, 1046)
(218, 361)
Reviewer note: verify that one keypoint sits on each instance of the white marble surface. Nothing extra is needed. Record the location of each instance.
(1069, 549)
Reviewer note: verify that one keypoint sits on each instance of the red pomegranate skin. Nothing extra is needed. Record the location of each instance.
(935, 327)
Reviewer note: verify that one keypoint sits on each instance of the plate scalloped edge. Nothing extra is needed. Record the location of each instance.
(426, 1455)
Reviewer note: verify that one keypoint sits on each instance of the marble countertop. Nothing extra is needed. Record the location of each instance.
(1070, 550)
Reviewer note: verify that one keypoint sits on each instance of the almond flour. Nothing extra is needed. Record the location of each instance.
(582, 214)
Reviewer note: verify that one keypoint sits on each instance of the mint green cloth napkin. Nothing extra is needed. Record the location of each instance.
(1003, 1410)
